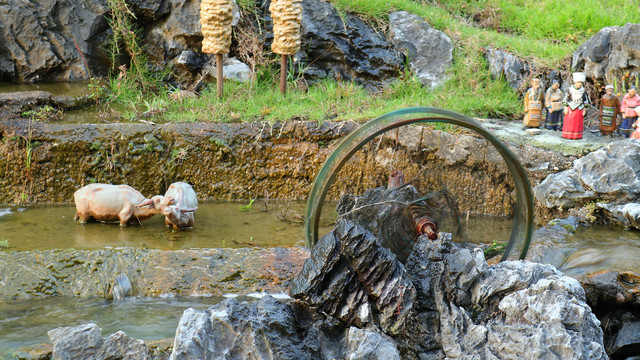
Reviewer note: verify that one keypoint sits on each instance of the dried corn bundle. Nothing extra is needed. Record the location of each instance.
(215, 17)
(286, 15)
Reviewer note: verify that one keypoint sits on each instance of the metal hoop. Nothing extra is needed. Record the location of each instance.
(523, 212)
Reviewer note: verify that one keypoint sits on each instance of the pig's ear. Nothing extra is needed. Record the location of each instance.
(145, 202)
(171, 200)
(188, 210)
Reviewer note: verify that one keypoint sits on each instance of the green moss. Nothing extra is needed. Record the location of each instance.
(494, 249)
(95, 146)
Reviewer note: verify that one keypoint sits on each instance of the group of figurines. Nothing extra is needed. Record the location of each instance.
(566, 111)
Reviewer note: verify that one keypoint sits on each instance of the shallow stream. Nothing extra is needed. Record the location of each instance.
(217, 225)
(26, 322)
(597, 248)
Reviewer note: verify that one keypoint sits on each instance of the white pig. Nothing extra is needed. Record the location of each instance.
(184, 203)
(105, 202)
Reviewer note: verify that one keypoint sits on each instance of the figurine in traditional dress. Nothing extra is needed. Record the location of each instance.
(533, 101)
(628, 108)
(553, 103)
(609, 110)
(575, 106)
(636, 125)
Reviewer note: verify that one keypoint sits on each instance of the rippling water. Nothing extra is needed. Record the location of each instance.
(597, 248)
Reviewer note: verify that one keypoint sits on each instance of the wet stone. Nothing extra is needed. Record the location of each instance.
(38, 352)
(76, 342)
(627, 341)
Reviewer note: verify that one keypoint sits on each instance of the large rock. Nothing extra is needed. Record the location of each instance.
(514, 310)
(625, 215)
(562, 190)
(610, 53)
(273, 329)
(428, 50)
(504, 64)
(76, 342)
(341, 45)
(178, 31)
(86, 342)
(609, 173)
(353, 278)
(38, 39)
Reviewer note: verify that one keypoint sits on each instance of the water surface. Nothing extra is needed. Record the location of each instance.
(597, 248)
(217, 225)
(26, 322)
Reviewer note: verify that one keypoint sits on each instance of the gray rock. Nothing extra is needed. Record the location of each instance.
(517, 310)
(341, 45)
(503, 64)
(149, 11)
(353, 278)
(121, 346)
(190, 63)
(180, 31)
(380, 211)
(38, 39)
(610, 53)
(627, 341)
(428, 50)
(366, 345)
(626, 215)
(76, 342)
(266, 329)
(86, 342)
(273, 329)
(609, 173)
(233, 69)
(563, 189)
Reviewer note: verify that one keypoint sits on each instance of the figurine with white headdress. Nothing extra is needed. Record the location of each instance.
(630, 102)
(575, 106)
(609, 110)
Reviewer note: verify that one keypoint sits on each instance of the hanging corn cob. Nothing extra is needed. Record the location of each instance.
(287, 16)
(215, 18)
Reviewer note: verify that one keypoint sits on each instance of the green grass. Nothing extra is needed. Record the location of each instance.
(545, 32)
(550, 19)
(339, 101)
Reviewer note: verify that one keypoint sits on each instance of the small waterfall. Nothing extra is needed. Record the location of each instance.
(122, 287)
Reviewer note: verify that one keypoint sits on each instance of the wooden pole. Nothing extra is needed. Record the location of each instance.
(220, 74)
(283, 74)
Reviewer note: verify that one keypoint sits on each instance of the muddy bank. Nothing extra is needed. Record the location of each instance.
(46, 162)
(43, 273)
